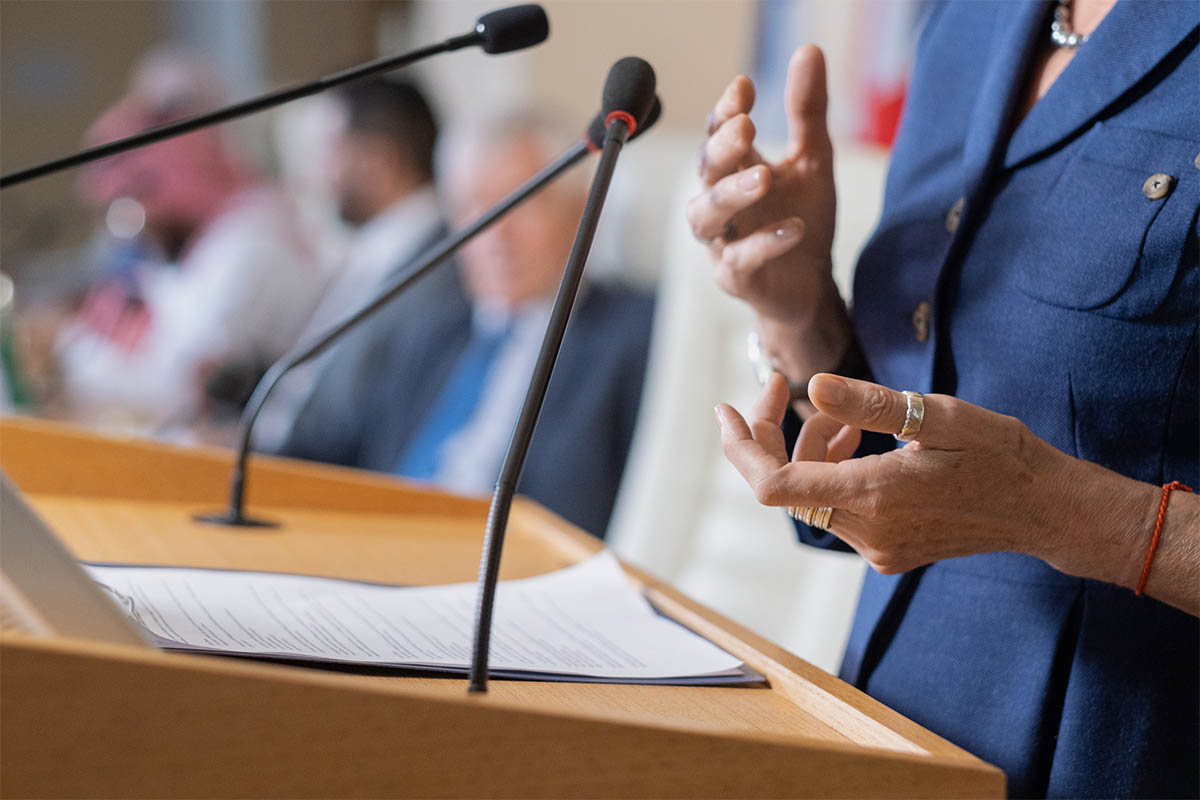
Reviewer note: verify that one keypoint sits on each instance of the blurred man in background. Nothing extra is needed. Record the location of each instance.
(217, 280)
(439, 405)
(381, 174)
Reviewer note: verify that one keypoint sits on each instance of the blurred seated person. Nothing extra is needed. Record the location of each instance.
(439, 406)
(219, 279)
(381, 175)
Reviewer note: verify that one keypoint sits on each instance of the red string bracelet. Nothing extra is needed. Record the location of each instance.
(1158, 523)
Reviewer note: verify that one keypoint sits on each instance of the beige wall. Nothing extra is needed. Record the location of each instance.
(61, 63)
(695, 46)
(309, 38)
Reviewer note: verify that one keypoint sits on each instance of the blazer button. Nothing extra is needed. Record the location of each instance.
(955, 215)
(1158, 186)
(920, 321)
(1197, 161)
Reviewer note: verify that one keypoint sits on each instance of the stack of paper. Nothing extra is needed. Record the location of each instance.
(585, 622)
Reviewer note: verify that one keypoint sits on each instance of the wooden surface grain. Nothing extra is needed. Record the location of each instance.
(143, 723)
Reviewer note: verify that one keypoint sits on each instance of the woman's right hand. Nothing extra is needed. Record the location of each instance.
(769, 227)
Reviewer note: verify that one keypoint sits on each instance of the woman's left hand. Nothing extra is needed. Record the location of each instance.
(973, 481)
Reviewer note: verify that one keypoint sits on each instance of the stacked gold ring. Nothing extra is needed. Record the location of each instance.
(812, 516)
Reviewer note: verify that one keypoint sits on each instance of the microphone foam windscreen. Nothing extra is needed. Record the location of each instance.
(629, 88)
(651, 117)
(595, 131)
(512, 28)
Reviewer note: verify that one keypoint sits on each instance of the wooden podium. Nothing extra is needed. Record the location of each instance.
(86, 719)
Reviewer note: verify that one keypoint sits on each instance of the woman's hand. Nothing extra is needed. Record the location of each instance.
(770, 226)
(973, 482)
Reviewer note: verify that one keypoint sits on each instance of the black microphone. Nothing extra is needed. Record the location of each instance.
(413, 271)
(596, 131)
(499, 31)
(512, 28)
(628, 101)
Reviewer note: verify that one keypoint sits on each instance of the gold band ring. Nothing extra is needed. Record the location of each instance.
(914, 416)
(812, 516)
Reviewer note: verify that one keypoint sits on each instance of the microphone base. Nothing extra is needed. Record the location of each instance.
(234, 520)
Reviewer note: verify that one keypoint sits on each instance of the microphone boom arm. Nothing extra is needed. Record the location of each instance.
(304, 352)
(518, 447)
(500, 31)
(235, 111)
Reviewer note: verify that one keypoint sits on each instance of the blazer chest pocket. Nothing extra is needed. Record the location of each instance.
(1122, 211)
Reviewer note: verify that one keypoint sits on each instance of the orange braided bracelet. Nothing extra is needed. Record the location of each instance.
(1158, 523)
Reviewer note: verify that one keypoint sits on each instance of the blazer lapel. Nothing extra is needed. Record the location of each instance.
(1001, 89)
(422, 371)
(1130, 42)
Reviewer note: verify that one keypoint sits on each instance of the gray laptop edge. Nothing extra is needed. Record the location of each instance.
(49, 582)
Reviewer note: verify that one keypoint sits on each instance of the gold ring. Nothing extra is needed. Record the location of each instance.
(812, 516)
(914, 415)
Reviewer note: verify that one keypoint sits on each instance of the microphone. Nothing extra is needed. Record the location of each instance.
(496, 32)
(512, 28)
(628, 92)
(597, 128)
(628, 99)
(416, 269)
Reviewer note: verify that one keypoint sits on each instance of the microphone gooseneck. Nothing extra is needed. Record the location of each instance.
(628, 90)
(235, 513)
(500, 31)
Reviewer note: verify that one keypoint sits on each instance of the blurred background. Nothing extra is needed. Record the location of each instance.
(71, 247)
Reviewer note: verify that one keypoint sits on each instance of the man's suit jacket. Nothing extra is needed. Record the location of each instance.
(370, 405)
(1062, 289)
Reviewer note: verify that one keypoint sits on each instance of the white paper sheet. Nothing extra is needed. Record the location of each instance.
(585, 620)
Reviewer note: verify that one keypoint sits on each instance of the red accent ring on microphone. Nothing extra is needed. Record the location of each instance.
(591, 146)
(624, 116)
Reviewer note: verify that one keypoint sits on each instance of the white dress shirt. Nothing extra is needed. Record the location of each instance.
(385, 242)
(240, 293)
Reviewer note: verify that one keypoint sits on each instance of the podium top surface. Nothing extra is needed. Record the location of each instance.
(131, 500)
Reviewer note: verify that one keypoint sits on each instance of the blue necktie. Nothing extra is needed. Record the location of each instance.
(454, 405)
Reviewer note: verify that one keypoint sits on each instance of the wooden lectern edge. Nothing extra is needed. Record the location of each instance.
(872, 724)
(32, 451)
(178, 716)
(110, 656)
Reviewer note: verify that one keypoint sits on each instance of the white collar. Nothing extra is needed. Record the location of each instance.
(394, 234)
(491, 316)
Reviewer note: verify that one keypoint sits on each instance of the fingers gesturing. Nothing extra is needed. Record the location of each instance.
(769, 225)
(709, 213)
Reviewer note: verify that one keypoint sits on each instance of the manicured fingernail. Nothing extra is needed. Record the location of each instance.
(717, 414)
(789, 230)
(750, 180)
(829, 390)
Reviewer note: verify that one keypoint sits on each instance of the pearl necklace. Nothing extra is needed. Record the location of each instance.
(1060, 28)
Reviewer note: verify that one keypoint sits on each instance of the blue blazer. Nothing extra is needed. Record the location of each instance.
(368, 406)
(1064, 295)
